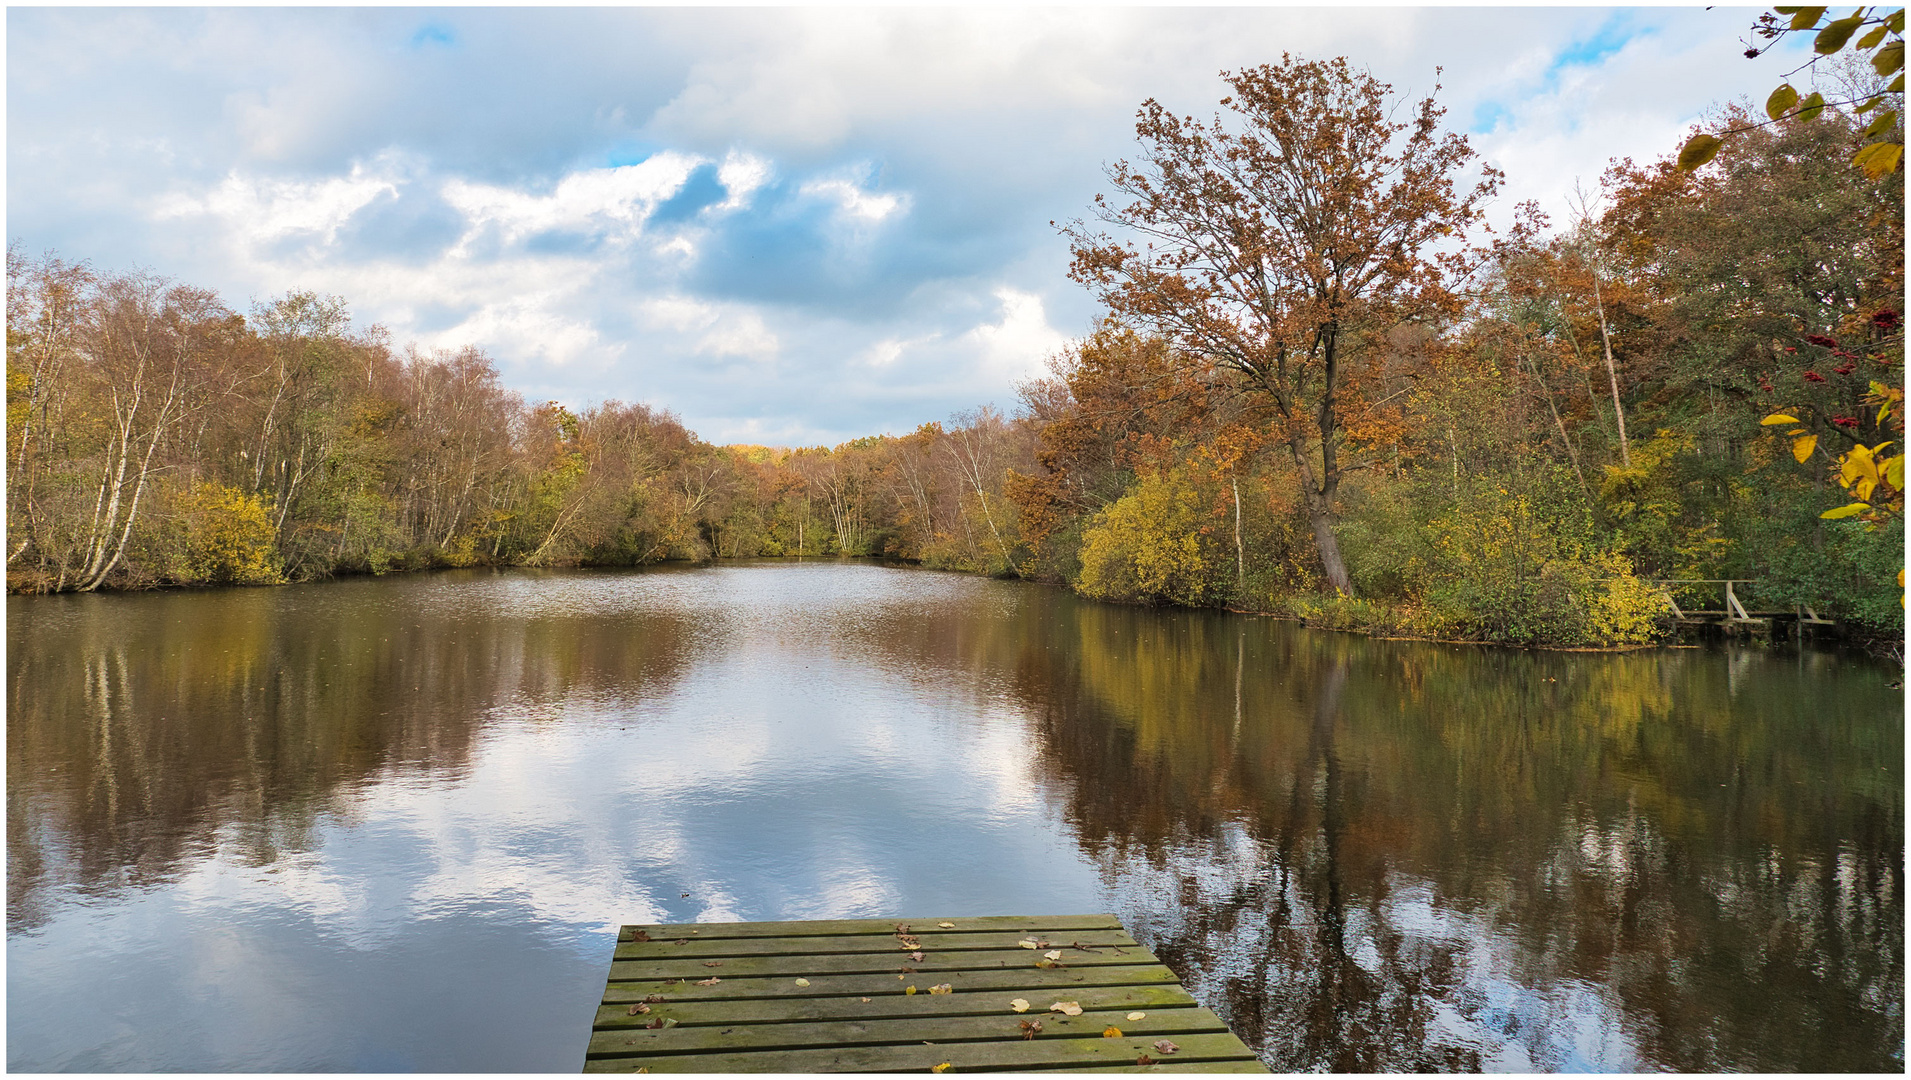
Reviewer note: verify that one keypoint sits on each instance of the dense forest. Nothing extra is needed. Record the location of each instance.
(1321, 389)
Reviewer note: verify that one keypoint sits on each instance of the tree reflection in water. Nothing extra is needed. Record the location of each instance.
(1390, 856)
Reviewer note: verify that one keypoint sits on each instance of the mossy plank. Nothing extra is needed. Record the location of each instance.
(1124, 999)
(944, 963)
(1104, 942)
(1025, 982)
(1014, 1054)
(826, 927)
(1003, 1025)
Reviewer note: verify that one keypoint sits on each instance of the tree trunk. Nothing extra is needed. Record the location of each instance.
(1612, 374)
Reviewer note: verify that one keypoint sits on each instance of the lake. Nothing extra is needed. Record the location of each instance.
(392, 824)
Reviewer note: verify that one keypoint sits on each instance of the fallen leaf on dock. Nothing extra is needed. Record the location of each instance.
(1165, 1046)
(1066, 1008)
(908, 990)
(639, 1009)
(865, 1001)
(1019, 1004)
(902, 928)
(1030, 1027)
(1111, 1032)
(653, 999)
(916, 956)
(802, 982)
(1144, 1060)
(1053, 954)
(713, 963)
(944, 1067)
(1137, 1016)
(681, 941)
(1027, 944)
(942, 988)
(640, 935)
(657, 1023)
(1045, 962)
(711, 981)
(946, 925)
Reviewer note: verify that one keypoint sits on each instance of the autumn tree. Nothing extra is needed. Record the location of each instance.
(1282, 242)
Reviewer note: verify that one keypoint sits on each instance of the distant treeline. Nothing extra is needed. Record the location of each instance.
(1585, 417)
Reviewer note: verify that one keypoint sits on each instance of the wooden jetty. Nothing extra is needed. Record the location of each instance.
(1068, 993)
(1733, 618)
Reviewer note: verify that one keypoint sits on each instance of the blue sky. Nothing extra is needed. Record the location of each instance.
(787, 225)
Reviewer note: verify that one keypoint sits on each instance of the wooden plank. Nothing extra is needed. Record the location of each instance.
(853, 1011)
(1002, 1025)
(1124, 999)
(1039, 980)
(944, 963)
(826, 927)
(1101, 941)
(1169, 1064)
(1015, 1054)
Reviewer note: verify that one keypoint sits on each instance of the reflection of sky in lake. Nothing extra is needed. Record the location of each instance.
(819, 742)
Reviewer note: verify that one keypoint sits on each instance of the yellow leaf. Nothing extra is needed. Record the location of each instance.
(802, 982)
(1018, 1004)
(1027, 944)
(1848, 510)
(909, 990)
(1136, 1015)
(944, 1067)
(1879, 158)
(1066, 1008)
(1698, 150)
(942, 988)
(1803, 446)
(1894, 471)
(946, 925)
(1779, 418)
(1111, 1032)
(1053, 954)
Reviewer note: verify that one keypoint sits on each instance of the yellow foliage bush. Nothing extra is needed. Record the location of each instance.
(229, 539)
(1159, 542)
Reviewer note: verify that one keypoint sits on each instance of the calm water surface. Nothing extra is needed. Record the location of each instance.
(392, 824)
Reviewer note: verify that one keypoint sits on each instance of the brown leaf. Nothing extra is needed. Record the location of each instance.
(681, 941)
(902, 928)
(1144, 1060)
(916, 956)
(640, 935)
(653, 999)
(654, 1024)
(908, 942)
(711, 981)
(713, 963)
(1165, 1046)
(1030, 1027)
(639, 1009)
(906, 968)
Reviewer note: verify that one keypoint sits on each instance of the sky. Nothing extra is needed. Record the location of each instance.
(788, 226)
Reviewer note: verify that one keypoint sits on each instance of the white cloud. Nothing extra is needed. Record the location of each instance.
(1014, 348)
(614, 200)
(259, 210)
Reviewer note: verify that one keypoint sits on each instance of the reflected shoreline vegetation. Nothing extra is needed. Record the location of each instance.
(389, 823)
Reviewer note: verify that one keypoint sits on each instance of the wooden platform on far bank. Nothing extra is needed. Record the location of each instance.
(836, 997)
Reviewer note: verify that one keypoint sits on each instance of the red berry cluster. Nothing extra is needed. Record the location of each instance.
(1813, 376)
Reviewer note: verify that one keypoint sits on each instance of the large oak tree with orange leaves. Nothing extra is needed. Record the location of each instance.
(1282, 240)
